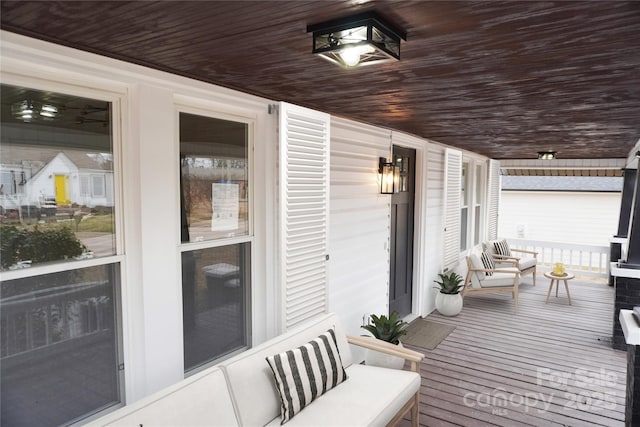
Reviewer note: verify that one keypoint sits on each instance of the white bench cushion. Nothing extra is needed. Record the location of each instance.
(251, 380)
(200, 400)
(371, 396)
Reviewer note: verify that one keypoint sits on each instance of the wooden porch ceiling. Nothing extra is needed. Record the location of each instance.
(504, 79)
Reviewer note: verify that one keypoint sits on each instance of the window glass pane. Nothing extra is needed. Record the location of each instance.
(98, 186)
(58, 346)
(464, 212)
(215, 292)
(479, 196)
(464, 195)
(53, 147)
(476, 233)
(402, 164)
(214, 178)
(479, 184)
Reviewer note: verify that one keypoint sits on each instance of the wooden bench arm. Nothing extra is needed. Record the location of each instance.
(534, 253)
(385, 347)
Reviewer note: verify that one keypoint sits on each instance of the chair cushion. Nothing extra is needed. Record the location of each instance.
(371, 397)
(487, 262)
(499, 279)
(307, 372)
(502, 247)
(526, 263)
(476, 262)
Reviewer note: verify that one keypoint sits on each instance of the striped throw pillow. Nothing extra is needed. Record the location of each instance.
(502, 248)
(487, 262)
(305, 373)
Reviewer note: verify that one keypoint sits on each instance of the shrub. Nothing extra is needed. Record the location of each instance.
(37, 245)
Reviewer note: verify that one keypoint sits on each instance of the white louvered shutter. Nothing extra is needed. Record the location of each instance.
(304, 214)
(493, 198)
(452, 188)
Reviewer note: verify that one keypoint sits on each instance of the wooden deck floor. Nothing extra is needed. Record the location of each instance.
(551, 364)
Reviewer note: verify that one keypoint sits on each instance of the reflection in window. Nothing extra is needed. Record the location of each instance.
(402, 163)
(214, 178)
(215, 291)
(58, 346)
(53, 147)
(97, 182)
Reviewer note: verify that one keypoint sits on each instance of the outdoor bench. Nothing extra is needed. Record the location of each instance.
(242, 390)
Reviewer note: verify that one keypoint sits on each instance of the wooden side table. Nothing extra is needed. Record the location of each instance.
(557, 279)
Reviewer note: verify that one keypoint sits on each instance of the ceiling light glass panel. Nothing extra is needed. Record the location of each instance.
(358, 40)
(389, 44)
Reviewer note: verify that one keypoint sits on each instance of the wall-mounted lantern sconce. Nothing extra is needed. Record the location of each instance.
(389, 176)
(546, 155)
(362, 39)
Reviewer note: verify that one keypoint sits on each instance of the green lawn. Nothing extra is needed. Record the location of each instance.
(97, 223)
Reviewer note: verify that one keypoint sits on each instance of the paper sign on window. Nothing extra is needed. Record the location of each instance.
(226, 206)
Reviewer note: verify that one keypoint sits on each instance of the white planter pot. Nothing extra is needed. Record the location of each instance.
(375, 358)
(449, 304)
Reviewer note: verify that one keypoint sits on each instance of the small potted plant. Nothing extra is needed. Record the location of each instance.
(388, 329)
(449, 300)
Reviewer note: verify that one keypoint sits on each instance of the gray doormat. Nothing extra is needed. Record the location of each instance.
(426, 334)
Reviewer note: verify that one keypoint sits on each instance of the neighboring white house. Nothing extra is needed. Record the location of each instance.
(579, 210)
(45, 177)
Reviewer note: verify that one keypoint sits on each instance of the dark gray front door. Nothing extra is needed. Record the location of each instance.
(402, 206)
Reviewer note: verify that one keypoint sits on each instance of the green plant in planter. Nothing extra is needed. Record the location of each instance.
(450, 283)
(388, 329)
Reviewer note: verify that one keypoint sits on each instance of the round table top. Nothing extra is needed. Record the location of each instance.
(550, 275)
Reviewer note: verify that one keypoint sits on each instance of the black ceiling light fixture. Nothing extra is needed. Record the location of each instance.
(362, 39)
(546, 155)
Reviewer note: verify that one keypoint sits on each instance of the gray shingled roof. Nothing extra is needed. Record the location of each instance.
(562, 183)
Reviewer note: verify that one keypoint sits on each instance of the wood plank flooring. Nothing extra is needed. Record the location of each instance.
(549, 365)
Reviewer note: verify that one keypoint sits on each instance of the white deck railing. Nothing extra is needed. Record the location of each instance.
(49, 317)
(581, 260)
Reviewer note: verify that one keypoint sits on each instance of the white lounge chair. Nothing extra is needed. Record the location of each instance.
(526, 261)
(483, 280)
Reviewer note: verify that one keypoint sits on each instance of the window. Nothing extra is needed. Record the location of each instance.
(216, 236)
(97, 186)
(58, 320)
(84, 186)
(478, 201)
(464, 207)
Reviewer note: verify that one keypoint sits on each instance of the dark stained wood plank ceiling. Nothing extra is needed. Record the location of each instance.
(504, 79)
